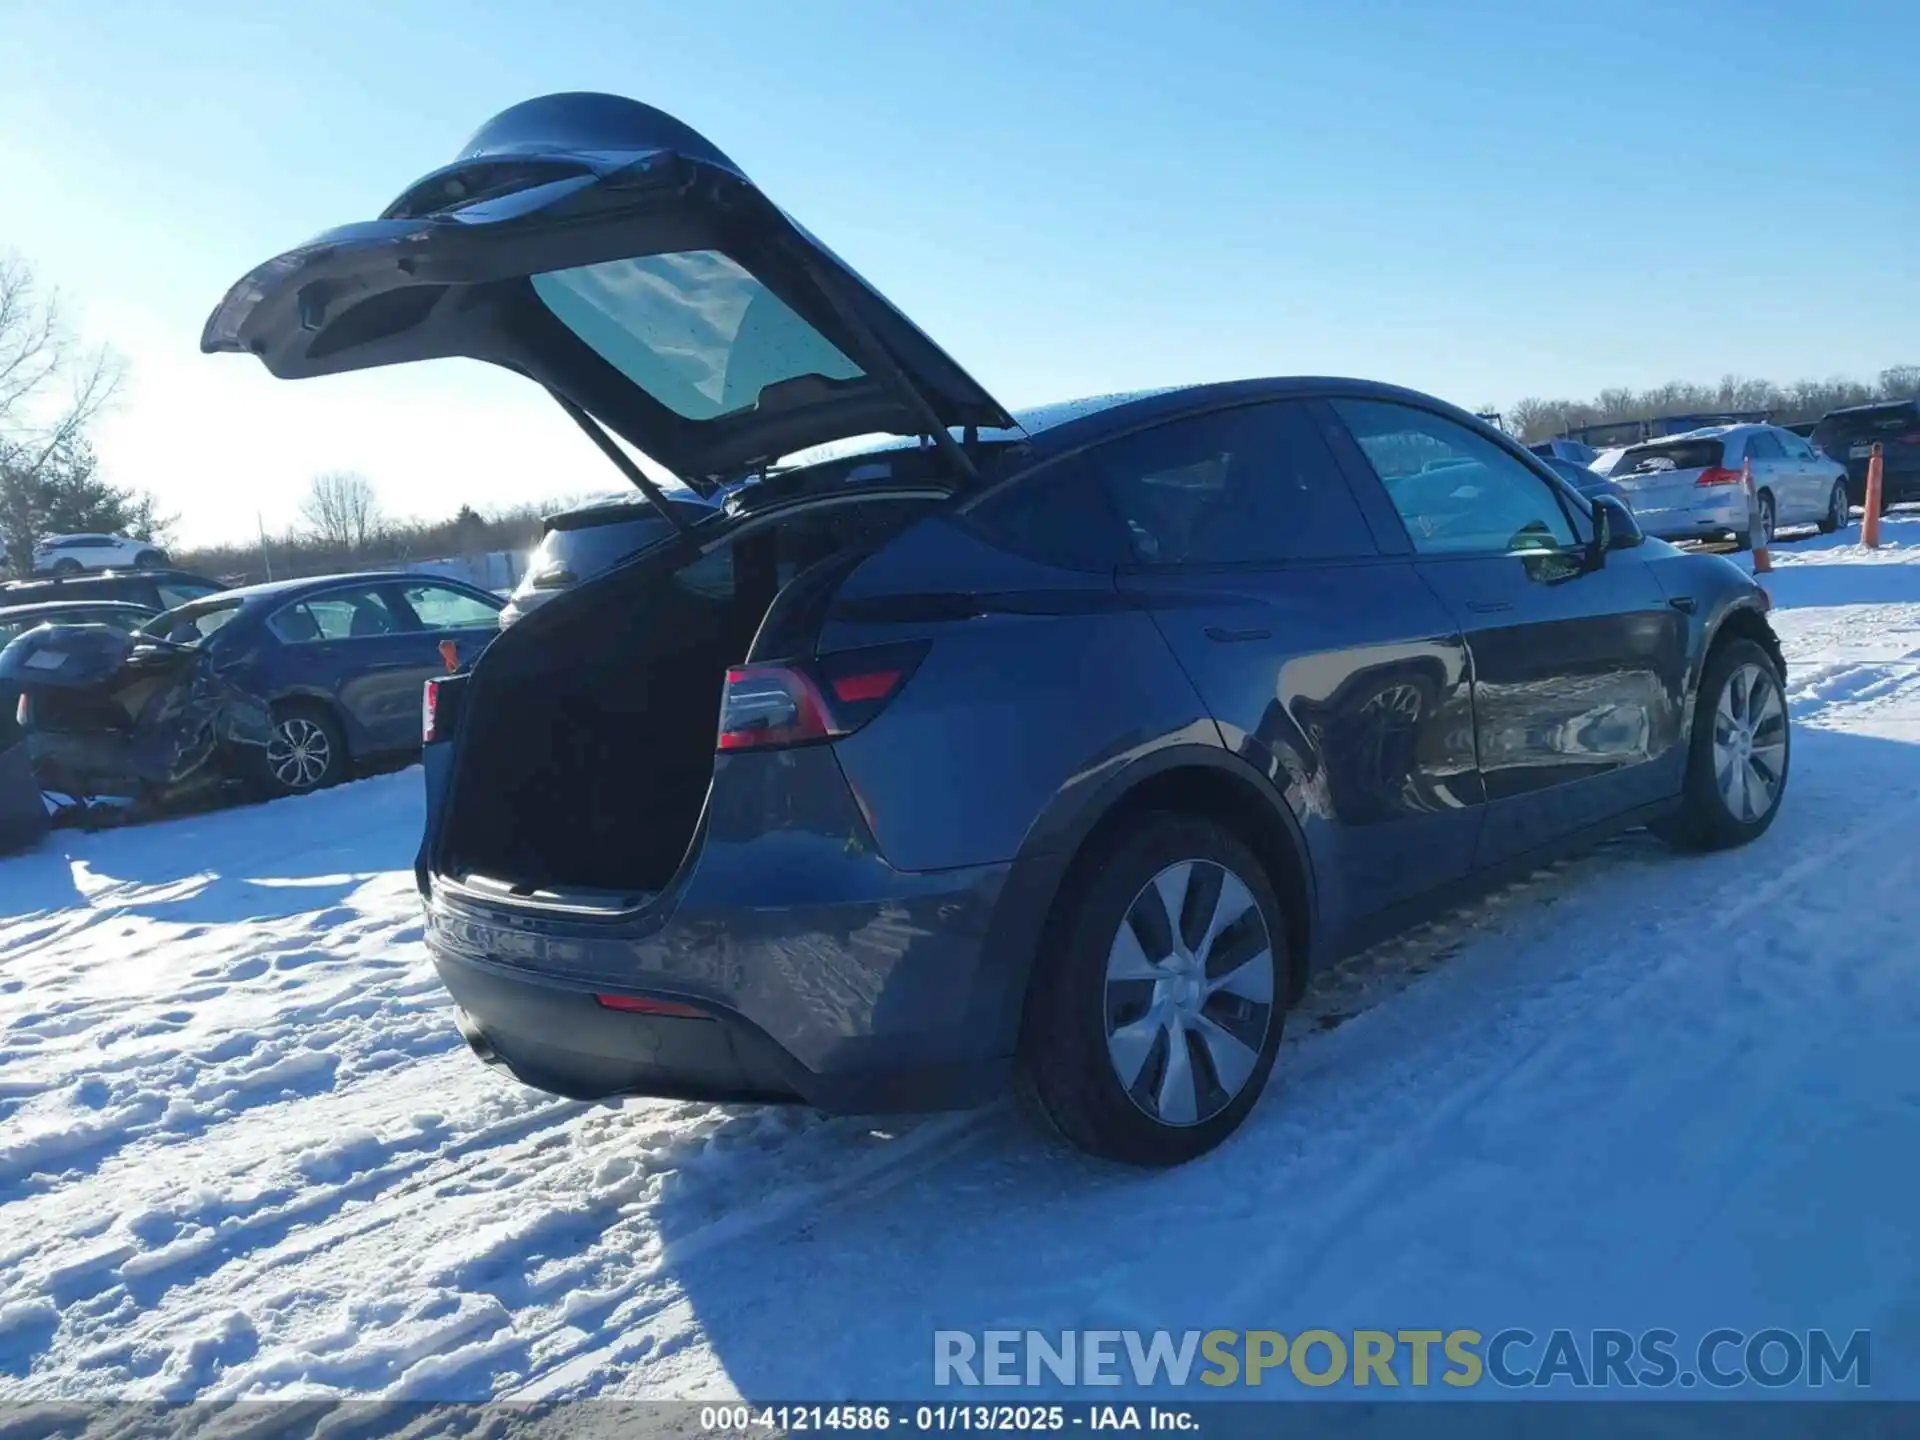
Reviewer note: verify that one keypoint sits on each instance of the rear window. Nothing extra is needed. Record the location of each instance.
(1876, 423)
(693, 329)
(183, 592)
(1673, 455)
(193, 624)
(568, 556)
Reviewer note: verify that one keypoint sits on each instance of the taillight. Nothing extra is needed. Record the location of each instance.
(805, 702)
(642, 1005)
(1720, 475)
(440, 708)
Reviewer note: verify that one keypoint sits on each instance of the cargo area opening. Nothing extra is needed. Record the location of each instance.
(588, 747)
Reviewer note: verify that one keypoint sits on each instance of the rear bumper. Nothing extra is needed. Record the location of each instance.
(1896, 485)
(1707, 516)
(828, 977)
(559, 1039)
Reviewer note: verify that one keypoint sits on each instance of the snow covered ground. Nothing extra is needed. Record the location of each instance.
(243, 1152)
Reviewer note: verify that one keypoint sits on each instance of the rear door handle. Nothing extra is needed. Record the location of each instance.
(1228, 637)
(1489, 607)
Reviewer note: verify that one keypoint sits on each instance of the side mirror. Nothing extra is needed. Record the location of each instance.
(1614, 527)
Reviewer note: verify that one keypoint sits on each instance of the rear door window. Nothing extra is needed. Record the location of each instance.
(1059, 515)
(1254, 485)
(1763, 446)
(442, 607)
(360, 614)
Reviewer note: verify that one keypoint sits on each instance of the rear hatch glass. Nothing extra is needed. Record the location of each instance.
(576, 550)
(1879, 422)
(1876, 419)
(1652, 462)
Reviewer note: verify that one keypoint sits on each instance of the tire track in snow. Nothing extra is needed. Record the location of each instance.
(1730, 906)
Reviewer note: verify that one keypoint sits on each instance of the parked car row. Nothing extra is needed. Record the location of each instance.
(269, 689)
(1694, 486)
(1690, 484)
(1052, 749)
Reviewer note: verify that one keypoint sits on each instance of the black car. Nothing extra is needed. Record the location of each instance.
(1849, 435)
(576, 545)
(16, 620)
(23, 814)
(1590, 483)
(1059, 746)
(155, 589)
(279, 687)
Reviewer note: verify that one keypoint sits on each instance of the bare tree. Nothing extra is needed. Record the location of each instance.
(51, 391)
(342, 510)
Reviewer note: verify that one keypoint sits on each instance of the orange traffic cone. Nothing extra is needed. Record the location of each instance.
(1762, 561)
(1870, 511)
(450, 655)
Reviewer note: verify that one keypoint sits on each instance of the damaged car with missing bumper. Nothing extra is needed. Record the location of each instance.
(1053, 748)
(119, 725)
(268, 690)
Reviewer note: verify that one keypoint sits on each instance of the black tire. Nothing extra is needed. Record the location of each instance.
(1067, 1067)
(67, 565)
(149, 560)
(304, 734)
(1838, 510)
(1706, 819)
(1763, 503)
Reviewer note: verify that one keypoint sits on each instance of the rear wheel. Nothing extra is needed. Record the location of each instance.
(1154, 1022)
(149, 560)
(1763, 530)
(307, 751)
(66, 565)
(1738, 754)
(1838, 511)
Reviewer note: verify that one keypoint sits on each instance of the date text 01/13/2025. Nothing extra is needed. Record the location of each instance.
(750, 1420)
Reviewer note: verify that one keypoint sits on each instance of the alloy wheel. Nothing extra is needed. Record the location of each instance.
(1749, 743)
(299, 754)
(1841, 511)
(1189, 993)
(1766, 521)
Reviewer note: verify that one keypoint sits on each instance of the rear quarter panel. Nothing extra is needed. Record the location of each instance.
(1055, 683)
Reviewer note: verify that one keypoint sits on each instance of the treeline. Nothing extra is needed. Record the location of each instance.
(1536, 419)
(305, 551)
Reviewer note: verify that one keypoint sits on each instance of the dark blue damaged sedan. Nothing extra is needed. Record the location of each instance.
(1053, 750)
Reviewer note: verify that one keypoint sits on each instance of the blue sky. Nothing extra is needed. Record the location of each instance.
(1485, 200)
